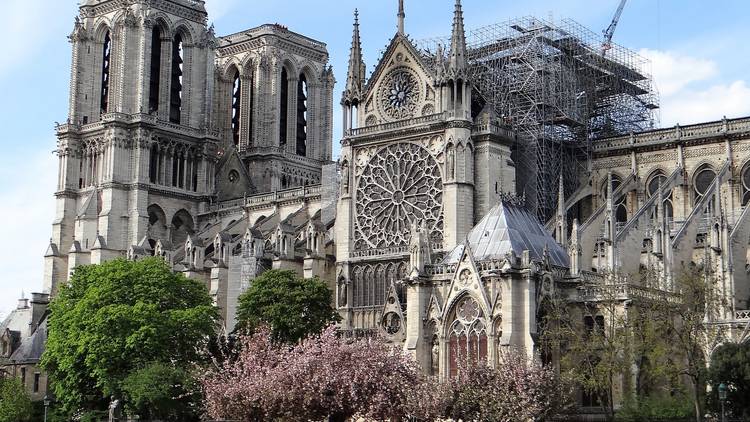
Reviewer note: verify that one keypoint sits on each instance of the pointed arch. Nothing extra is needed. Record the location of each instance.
(181, 227)
(745, 184)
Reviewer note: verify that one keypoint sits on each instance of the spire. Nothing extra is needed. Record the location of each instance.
(355, 77)
(401, 17)
(457, 60)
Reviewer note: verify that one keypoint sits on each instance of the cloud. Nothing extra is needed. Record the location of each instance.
(27, 211)
(692, 89)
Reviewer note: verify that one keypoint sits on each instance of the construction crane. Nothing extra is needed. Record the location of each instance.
(610, 31)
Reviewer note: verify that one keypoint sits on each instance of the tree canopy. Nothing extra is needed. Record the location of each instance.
(291, 306)
(15, 404)
(730, 364)
(119, 317)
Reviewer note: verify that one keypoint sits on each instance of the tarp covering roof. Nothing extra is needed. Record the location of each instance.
(509, 227)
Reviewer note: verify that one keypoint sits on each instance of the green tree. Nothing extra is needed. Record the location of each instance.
(292, 306)
(730, 364)
(161, 391)
(116, 318)
(15, 404)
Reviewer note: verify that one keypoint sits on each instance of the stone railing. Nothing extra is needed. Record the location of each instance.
(494, 129)
(624, 291)
(400, 124)
(394, 250)
(269, 198)
(742, 315)
(698, 131)
(143, 118)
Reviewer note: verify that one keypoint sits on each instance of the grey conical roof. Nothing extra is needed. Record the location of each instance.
(509, 227)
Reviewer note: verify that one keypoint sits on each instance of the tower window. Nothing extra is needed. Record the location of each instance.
(106, 61)
(284, 109)
(155, 76)
(302, 93)
(175, 97)
(236, 108)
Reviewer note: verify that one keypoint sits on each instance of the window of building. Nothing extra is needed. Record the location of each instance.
(702, 182)
(36, 382)
(106, 61)
(23, 376)
(302, 95)
(236, 108)
(155, 74)
(467, 338)
(175, 97)
(284, 109)
(652, 188)
(746, 185)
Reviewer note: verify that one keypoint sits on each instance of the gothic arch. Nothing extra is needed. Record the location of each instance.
(103, 26)
(701, 179)
(466, 332)
(157, 222)
(182, 28)
(249, 64)
(745, 183)
(181, 227)
(229, 68)
(162, 21)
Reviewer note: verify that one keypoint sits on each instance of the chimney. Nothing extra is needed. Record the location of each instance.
(23, 303)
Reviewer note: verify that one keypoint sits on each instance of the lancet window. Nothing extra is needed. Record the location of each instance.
(175, 95)
(284, 108)
(467, 335)
(106, 62)
(702, 181)
(155, 71)
(746, 185)
(236, 108)
(302, 96)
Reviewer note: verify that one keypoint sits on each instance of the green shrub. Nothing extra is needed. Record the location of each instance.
(660, 407)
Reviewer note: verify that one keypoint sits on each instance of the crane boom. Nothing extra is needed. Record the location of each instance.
(610, 31)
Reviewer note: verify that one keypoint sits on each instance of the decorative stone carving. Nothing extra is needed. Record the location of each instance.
(400, 184)
(400, 94)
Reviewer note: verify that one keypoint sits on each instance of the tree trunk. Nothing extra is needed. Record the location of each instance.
(697, 402)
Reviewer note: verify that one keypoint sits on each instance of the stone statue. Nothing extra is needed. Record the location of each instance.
(345, 178)
(114, 410)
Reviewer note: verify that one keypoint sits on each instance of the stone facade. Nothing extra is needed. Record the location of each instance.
(215, 154)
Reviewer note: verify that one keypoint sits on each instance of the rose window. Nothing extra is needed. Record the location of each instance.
(468, 311)
(401, 185)
(399, 94)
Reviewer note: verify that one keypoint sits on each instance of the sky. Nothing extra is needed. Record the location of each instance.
(698, 51)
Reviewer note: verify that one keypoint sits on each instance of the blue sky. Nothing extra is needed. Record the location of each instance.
(700, 60)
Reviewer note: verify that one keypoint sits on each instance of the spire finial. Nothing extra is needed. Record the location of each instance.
(458, 41)
(356, 74)
(401, 17)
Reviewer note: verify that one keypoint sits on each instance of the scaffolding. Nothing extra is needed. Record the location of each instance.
(552, 85)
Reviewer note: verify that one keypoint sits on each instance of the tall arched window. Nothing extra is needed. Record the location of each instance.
(746, 185)
(236, 108)
(155, 73)
(652, 188)
(284, 109)
(621, 210)
(175, 92)
(154, 164)
(702, 181)
(302, 95)
(467, 337)
(106, 62)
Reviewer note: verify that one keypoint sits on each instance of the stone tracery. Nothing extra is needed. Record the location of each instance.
(401, 184)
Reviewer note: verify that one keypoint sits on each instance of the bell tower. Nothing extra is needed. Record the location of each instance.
(137, 137)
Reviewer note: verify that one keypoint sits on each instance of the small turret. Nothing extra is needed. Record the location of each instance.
(455, 87)
(355, 78)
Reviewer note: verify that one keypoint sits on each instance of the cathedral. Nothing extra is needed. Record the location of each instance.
(444, 224)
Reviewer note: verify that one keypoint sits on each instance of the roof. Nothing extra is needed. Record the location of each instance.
(17, 320)
(32, 347)
(510, 227)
